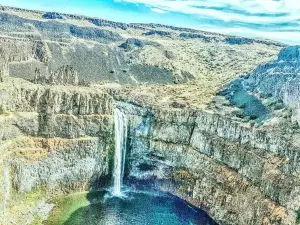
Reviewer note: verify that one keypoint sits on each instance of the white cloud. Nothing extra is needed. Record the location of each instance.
(157, 10)
(283, 36)
(290, 7)
(274, 19)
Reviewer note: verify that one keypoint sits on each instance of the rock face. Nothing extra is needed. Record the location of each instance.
(65, 75)
(54, 139)
(239, 175)
(66, 165)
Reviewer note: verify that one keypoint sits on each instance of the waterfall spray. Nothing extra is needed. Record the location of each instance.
(121, 122)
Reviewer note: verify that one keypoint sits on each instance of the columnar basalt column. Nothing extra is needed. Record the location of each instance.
(4, 71)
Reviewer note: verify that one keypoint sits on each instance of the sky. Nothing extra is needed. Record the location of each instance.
(271, 19)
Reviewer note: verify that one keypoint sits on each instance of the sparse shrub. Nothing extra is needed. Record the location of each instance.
(169, 54)
(178, 105)
(182, 174)
(253, 117)
(247, 119)
(259, 124)
(274, 104)
(228, 104)
(239, 114)
(265, 95)
(157, 32)
(270, 102)
(295, 125)
(53, 15)
(278, 106)
(252, 123)
(37, 220)
(2, 110)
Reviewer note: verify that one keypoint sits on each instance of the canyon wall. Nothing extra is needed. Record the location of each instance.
(62, 140)
(55, 140)
(238, 174)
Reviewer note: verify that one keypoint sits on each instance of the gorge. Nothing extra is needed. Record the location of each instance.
(88, 104)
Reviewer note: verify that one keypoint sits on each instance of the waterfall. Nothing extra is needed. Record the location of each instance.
(121, 122)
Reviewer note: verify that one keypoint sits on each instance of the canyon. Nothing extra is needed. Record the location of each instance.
(210, 118)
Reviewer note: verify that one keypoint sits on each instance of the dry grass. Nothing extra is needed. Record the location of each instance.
(213, 64)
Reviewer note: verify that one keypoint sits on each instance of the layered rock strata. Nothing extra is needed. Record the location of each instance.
(63, 140)
(238, 174)
(52, 139)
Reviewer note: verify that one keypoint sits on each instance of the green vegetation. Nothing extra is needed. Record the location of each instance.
(298, 216)
(30, 199)
(21, 204)
(242, 115)
(274, 104)
(37, 221)
(65, 207)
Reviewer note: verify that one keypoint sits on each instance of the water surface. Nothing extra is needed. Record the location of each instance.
(137, 208)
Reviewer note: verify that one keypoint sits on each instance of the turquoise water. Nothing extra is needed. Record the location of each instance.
(137, 208)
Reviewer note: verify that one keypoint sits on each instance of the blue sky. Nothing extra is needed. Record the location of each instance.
(272, 19)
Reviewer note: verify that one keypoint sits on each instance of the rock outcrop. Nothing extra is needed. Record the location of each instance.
(4, 72)
(65, 75)
(276, 81)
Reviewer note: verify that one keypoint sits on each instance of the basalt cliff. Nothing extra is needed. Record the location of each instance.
(213, 119)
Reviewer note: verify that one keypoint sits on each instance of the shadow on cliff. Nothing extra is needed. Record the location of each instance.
(250, 105)
(269, 87)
